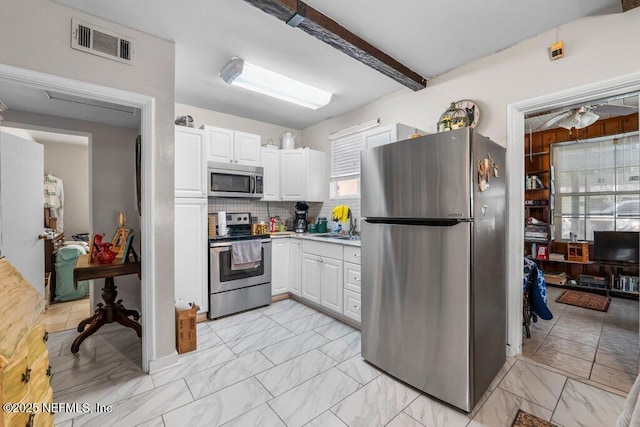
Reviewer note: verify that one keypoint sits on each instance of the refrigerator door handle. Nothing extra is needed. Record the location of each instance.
(435, 222)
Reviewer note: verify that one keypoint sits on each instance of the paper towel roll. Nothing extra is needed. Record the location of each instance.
(222, 223)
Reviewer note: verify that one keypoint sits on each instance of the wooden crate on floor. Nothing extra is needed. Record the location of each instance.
(186, 339)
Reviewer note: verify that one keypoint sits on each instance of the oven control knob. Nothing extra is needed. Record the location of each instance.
(239, 218)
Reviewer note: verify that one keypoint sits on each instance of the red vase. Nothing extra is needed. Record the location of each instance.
(106, 256)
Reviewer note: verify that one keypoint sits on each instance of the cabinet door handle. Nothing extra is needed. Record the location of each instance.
(30, 420)
(357, 279)
(356, 255)
(26, 376)
(45, 337)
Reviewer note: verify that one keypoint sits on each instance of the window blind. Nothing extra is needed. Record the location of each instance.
(598, 186)
(345, 156)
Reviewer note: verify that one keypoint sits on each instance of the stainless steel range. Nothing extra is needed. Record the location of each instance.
(230, 289)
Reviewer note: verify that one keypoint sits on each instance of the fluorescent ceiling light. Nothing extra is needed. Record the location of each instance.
(243, 74)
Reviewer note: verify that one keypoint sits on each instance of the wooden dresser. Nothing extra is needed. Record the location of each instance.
(24, 360)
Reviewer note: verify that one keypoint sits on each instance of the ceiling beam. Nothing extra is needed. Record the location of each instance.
(629, 4)
(298, 14)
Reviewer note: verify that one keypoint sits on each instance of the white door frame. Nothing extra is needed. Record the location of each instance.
(515, 182)
(147, 105)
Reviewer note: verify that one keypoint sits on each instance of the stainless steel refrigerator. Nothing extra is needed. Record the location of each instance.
(433, 263)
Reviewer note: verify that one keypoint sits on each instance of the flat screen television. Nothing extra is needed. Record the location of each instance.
(616, 246)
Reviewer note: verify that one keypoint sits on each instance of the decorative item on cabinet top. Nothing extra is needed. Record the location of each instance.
(185, 121)
(288, 140)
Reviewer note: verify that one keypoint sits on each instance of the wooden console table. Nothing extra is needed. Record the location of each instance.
(112, 310)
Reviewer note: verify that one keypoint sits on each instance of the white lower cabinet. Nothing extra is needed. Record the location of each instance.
(280, 271)
(295, 259)
(190, 251)
(352, 305)
(311, 283)
(327, 274)
(352, 277)
(331, 283)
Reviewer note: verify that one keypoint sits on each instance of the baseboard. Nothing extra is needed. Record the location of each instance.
(163, 362)
(330, 313)
(280, 297)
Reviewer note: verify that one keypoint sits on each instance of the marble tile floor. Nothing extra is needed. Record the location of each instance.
(286, 374)
(588, 344)
(61, 316)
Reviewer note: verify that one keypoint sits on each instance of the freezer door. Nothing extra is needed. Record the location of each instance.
(426, 177)
(416, 306)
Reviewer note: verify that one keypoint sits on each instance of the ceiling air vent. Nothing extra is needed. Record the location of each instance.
(98, 41)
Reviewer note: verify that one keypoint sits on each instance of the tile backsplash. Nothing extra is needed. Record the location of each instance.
(264, 210)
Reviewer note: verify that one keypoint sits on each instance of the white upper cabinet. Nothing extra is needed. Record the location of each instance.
(229, 146)
(270, 162)
(247, 148)
(190, 162)
(220, 145)
(302, 175)
(388, 134)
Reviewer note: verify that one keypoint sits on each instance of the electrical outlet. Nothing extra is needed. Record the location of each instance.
(556, 50)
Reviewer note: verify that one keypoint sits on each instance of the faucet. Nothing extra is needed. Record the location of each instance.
(352, 225)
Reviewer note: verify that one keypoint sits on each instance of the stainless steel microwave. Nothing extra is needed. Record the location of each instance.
(237, 181)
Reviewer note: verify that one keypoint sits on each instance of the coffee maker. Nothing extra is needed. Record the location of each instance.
(301, 217)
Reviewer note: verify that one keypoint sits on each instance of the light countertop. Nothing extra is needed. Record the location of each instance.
(318, 237)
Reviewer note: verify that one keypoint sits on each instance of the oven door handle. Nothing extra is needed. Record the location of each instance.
(228, 244)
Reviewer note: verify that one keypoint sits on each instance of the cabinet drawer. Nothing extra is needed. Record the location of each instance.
(329, 250)
(352, 254)
(352, 277)
(352, 305)
(13, 386)
(36, 342)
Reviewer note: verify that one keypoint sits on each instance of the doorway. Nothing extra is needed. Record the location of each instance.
(515, 172)
(145, 104)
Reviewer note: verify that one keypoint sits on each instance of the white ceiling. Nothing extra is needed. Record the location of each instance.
(26, 98)
(429, 37)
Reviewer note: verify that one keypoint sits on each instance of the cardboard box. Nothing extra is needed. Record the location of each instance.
(186, 339)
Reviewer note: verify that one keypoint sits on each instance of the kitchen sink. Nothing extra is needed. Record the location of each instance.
(337, 236)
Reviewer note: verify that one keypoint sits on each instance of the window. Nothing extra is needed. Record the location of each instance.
(597, 186)
(345, 166)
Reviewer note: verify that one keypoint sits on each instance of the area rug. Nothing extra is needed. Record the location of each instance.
(585, 299)
(525, 419)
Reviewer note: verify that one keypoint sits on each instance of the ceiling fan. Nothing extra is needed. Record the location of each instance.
(584, 116)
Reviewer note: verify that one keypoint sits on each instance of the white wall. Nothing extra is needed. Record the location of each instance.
(267, 131)
(45, 47)
(112, 178)
(70, 163)
(597, 48)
